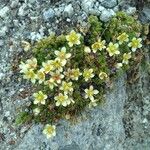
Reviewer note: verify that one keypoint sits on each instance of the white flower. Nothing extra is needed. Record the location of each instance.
(41, 76)
(66, 87)
(58, 64)
(26, 45)
(49, 131)
(47, 66)
(30, 75)
(93, 103)
(62, 55)
(36, 111)
(87, 49)
(123, 38)
(39, 98)
(75, 73)
(57, 76)
(99, 45)
(32, 63)
(51, 83)
(62, 100)
(89, 93)
(118, 65)
(113, 49)
(88, 74)
(103, 75)
(73, 38)
(126, 57)
(23, 67)
(135, 43)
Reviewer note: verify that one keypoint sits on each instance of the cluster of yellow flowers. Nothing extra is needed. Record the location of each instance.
(53, 73)
(113, 48)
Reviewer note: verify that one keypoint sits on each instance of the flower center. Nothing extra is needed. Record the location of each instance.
(56, 77)
(87, 74)
(62, 55)
(40, 97)
(30, 74)
(73, 38)
(41, 75)
(90, 93)
(50, 130)
(47, 68)
(61, 98)
(57, 64)
(135, 44)
(112, 48)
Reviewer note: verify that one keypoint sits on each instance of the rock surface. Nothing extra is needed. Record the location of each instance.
(123, 123)
(48, 14)
(106, 14)
(100, 124)
(145, 15)
(109, 3)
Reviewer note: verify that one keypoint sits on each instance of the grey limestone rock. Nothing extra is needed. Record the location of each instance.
(121, 123)
(48, 14)
(100, 128)
(106, 14)
(68, 11)
(87, 4)
(4, 11)
(109, 3)
(145, 15)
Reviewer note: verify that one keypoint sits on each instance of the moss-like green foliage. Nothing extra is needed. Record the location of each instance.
(22, 118)
(44, 49)
(95, 28)
(121, 23)
(87, 61)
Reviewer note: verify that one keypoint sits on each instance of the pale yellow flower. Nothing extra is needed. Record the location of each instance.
(51, 83)
(49, 131)
(23, 67)
(66, 87)
(47, 66)
(88, 74)
(30, 75)
(62, 55)
(36, 111)
(87, 49)
(118, 65)
(62, 99)
(113, 49)
(135, 43)
(26, 45)
(123, 38)
(68, 73)
(67, 116)
(73, 38)
(75, 73)
(41, 76)
(126, 57)
(89, 93)
(57, 76)
(32, 63)
(103, 76)
(58, 64)
(39, 98)
(93, 103)
(99, 45)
